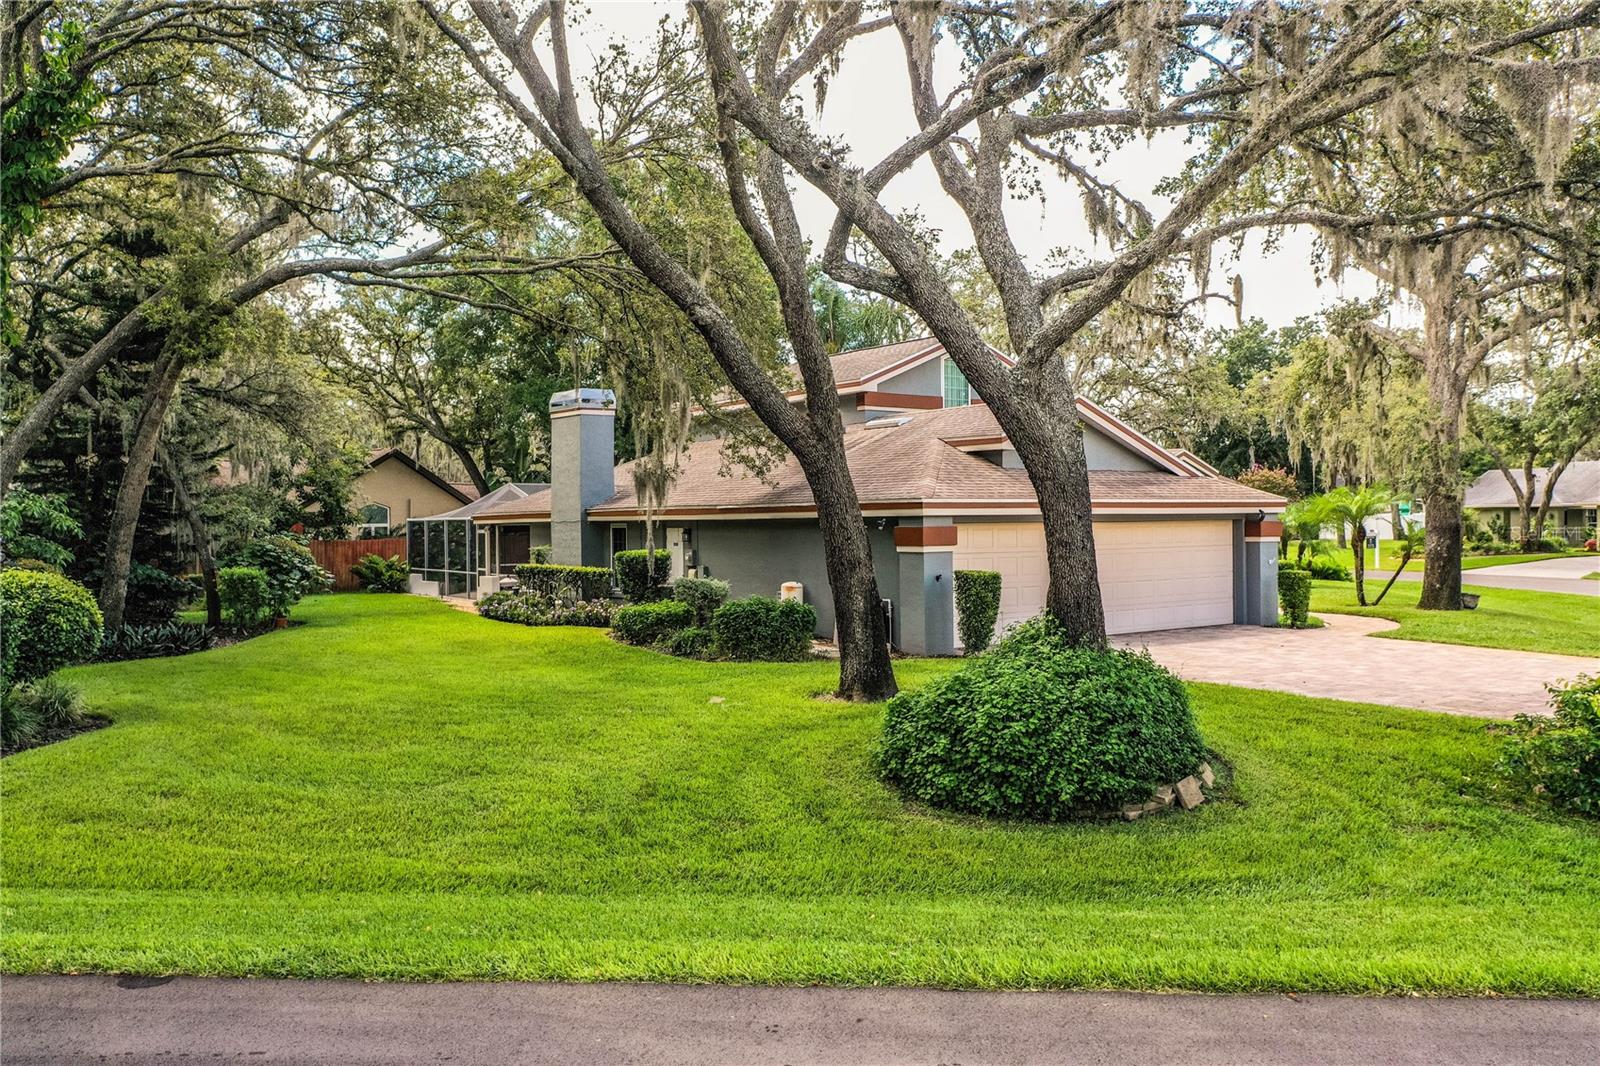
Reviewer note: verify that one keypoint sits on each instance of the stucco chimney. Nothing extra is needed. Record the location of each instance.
(582, 460)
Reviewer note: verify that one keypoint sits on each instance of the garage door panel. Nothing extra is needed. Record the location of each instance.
(1153, 575)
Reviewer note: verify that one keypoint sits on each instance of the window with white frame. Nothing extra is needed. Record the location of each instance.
(957, 393)
(374, 521)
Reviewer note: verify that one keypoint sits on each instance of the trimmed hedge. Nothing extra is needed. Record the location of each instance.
(696, 642)
(649, 623)
(977, 607)
(764, 629)
(246, 594)
(1041, 728)
(535, 609)
(1294, 593)
(580, 582)
(704, 594)
(46, 621)
(637, 587)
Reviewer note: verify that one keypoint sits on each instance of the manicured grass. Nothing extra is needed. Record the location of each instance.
(400, 790)
(1505, 618)
(1389, 554)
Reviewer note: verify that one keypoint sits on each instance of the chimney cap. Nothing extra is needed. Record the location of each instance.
(584, 400)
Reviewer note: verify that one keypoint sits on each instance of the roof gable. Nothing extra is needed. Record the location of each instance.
(463, 493)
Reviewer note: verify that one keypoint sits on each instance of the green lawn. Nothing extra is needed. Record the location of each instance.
(1506, 618)
(399, 790)
(1389, 555)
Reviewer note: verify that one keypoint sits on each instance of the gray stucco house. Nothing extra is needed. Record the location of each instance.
(940, 489)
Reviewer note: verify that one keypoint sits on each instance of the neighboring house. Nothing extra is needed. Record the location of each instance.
(1573, 505)
(395, 487)
(940, 489)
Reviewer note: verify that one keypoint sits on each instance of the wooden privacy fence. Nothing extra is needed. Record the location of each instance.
(338, 556)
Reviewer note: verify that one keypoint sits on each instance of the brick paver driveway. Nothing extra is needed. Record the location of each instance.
(1340, 661)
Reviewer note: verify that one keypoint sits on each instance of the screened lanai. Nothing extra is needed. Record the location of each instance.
(445, 552)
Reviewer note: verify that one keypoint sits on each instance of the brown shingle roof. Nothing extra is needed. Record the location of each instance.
(907, 462)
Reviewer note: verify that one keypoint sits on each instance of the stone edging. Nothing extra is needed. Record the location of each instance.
(1188, 793)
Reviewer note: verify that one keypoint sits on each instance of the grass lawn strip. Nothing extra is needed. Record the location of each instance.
(1520, 619)
(400, 790)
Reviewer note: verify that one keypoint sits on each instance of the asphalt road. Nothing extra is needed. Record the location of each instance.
(135, 1021)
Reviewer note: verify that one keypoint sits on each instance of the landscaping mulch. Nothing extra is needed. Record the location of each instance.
(58, 734)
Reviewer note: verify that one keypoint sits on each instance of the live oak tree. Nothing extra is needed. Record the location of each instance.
(1542, 414)
(1055, 86)
(548, 104)
(1474, 198)
(232, 151)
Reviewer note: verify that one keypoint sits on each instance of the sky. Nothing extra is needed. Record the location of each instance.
(868, 108)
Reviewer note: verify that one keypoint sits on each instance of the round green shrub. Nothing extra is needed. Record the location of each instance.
(763, 629)
(703, 594)
(46, 622)
(641, 578)
(1040, 728)
(1556, 757)
(649, 623)
(1294, 593)
(38, 565)
(977, 607)
(378, 574)
(292, 571)
(245, 593)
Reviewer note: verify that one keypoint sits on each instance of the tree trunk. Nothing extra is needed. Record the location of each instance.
(1441, 572)
(82, 370)
(202, 541)
(865, 671)
(1358, 547)
(158, 393)
(474, 471)
(1525, 534)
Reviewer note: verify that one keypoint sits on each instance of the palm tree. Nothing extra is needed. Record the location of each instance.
(1304, 521)
(1354, 507)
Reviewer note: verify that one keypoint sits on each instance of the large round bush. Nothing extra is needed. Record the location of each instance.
(1039, 728)
(292, 571)
(46, 622)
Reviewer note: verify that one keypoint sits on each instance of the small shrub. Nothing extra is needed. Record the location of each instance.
(579, 582)
(151, 642)
(378, 574)
(638, 585)
(50, 702)
(703, 594)
(291, 570)
(1041, 728)
(19, 721)
(540, 553)
(764, 629)
(46, 622)
(245, 593)
(1327, 568)
(650, 623)
(977, 607)
(695, 642)
(1294, 593)
(1589, 545)
(535, 609)
(1557, 757)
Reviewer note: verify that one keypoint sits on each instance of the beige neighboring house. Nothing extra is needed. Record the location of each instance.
(395, 487)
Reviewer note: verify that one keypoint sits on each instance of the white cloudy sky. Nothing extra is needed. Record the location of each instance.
(868, 108)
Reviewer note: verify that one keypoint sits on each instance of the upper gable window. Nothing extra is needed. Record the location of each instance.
(957, 393)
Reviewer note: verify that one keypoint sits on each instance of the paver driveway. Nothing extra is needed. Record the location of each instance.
(1340, 661)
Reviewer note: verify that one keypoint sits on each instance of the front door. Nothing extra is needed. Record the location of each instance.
(675, 540)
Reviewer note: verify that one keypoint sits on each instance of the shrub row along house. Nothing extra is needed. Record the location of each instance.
(940, 487)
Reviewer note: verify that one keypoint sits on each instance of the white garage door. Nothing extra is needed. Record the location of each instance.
(1153, 575)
